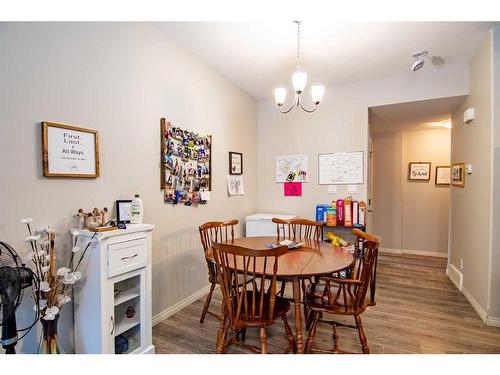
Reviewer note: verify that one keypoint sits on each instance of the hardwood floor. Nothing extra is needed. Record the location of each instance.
(418, 310)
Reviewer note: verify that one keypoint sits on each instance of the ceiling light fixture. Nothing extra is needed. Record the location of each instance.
(419, 55)
(299, 79)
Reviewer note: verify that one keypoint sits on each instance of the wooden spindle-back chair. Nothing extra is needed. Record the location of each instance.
(214, 231)
(249, 305)
(341, 296)
(296, 230)
(361, 238)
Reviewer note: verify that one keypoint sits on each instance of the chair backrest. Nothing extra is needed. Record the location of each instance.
(293, 229)
(247, 303)
(215, 231)
(359, 246)
(367, 273)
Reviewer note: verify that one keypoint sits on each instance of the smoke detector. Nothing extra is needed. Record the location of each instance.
(419, 56)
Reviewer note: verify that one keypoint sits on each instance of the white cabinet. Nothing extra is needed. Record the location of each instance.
(112, 302)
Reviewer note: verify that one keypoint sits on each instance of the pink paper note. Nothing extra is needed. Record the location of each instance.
(292, 189)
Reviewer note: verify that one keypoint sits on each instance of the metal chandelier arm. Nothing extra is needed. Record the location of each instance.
(308, 110)
(288, 110)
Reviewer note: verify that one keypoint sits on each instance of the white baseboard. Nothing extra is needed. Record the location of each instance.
(455, 276)
(413, 252)
(493, 321)
(482, 314)
(158, 318)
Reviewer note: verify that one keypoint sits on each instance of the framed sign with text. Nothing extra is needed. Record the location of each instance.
(69, 151)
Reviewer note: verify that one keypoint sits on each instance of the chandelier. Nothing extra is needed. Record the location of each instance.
(299, 79)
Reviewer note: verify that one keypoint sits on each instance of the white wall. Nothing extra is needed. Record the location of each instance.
(471, 206)
(340, 124)
(495, 255)
(410, 215)
(118, 78)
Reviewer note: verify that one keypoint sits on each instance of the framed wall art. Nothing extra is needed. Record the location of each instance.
(419, 171)
(458, 174)
(69, 151)
(123, 211)
(186, 167)
(235, 163)
(443, 175)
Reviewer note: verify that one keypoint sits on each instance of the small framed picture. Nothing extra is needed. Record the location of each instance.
(419, 171)
(235, 163)
(443, 175)
(458, 174)
(123, 211)
(69, 151)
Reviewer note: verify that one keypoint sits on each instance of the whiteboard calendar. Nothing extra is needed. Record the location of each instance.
(341, 168)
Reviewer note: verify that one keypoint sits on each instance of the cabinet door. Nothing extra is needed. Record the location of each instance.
(127, 312)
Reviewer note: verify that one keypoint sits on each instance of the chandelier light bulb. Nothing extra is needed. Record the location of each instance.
(317, 93)
(299, 80)
(279, 96)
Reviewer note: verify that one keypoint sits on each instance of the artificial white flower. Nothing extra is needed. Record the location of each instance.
(26, 220)
(63, 299)
(44, 286)
(45, 268)
(77, 275)
(74, 232)
(63, 271)
(68, 279)
(52, 310)
(33, 238)
(75, 249)
(49, 316)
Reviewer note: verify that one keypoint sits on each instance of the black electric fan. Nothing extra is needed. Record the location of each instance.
(14, 278)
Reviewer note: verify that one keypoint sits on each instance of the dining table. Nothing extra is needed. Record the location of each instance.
(313, 258)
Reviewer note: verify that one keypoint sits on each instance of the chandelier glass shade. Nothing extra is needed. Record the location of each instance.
(299, 81)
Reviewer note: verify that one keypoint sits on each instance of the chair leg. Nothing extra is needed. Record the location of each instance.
(282, 289)
(221, 336)
(263, 343)
(362, 336)
(289, 333)
(312, 331)
(243, 334)
(335, 337)
(207, 303)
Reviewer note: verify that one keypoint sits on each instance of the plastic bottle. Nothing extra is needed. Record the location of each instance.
(136, 210)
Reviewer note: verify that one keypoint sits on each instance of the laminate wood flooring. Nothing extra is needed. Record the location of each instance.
(418, 310)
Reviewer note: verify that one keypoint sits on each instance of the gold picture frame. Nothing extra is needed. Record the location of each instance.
(458, 175)
(69, 151)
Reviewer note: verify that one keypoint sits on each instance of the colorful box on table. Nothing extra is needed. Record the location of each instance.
(321, 212)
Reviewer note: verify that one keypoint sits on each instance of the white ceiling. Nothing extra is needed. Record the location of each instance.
(421, 115)
(260, 56)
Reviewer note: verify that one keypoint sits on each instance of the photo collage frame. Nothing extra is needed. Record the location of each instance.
(186, 165)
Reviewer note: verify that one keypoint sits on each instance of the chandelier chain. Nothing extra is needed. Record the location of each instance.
(298, 45)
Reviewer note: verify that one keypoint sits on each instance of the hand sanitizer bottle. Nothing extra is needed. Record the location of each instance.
(136, 210)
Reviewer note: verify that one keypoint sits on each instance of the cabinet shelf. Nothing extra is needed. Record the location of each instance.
(124, 326)
(127, 296)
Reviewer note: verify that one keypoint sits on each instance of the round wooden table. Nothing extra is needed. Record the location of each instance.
(315, 258)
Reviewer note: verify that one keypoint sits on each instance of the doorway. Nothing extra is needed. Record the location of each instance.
(411, 214)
